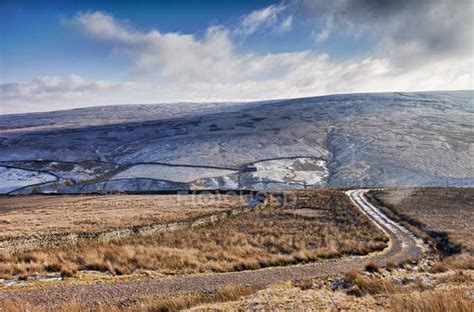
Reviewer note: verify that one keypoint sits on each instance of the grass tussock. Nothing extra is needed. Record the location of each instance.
(274, 236)
(463, 261)
(408, 294)
(432, 301)
(362, 285)
(303, 284)
(372, 267)
(458, 277)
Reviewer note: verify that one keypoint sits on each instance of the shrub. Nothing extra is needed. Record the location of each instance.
(372, 267)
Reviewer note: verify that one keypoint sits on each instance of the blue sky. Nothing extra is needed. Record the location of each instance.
(40, 27)
(64, 54)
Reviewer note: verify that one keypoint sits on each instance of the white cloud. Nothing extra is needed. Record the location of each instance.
(176, 57)
(271, 17)
(173, 67)
(286, 24)
(324, 33)
(165, 56)
(45, 85)
(104, 26)
(408, 32)
(303, 74)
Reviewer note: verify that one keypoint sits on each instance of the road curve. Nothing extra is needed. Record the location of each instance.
(397, 233)
(402, 246)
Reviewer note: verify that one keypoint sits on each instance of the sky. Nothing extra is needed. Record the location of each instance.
(67, 54)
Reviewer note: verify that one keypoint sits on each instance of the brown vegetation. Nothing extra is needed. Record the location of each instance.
(444, 215)
(366, 285)
(371, 267)
(40, 214)
(413, 294)
(464, 261)
(433, 301)
(148, 305)
(362, 292)
(267, 237)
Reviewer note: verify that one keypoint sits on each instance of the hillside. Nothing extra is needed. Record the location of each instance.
(383, 139)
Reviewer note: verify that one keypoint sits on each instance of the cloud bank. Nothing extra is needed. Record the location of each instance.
(418, 45)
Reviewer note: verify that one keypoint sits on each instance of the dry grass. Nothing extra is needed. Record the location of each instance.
(150, 304)
(414, 295)
(372, 267)
(293, 298)
(366, 285)
(434, 211)
(463, 261)
(455, 300)
(270, 237)
(381, 294)
(458, 277)
(442, 216)
(188, 301)
(364, 292)
(36, 214)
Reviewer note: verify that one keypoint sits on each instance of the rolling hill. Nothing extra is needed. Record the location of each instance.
(368, 140)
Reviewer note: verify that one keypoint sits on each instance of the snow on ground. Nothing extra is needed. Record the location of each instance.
(171, 173)
(372, 140)
(224, 182)
(308, 171)
(77, 172)
(284, 173)
(13, 178)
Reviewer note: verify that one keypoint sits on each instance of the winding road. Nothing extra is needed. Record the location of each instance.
(402, 246)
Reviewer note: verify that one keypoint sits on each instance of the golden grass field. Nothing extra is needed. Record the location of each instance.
(317, 224)
(40, 214)
(322, 224)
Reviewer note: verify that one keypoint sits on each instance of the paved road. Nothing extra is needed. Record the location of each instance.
(402, 246)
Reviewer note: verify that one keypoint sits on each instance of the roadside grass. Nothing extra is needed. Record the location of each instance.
(274, 236)
(149, 304)
(443, 216)
(363, 291)
(415, 295)
(447, 292)
(464, 261)
(187, 301)
(455, 300)
(362, 285)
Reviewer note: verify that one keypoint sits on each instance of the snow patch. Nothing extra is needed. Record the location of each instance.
(13, 178)
(307, 171)
(182, 174)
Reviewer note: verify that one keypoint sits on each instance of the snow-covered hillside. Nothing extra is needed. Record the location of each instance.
(384, 139)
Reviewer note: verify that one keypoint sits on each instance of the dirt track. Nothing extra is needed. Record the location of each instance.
(403, 245)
